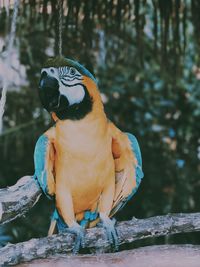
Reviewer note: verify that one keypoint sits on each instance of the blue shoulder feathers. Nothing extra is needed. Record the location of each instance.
(137, 152)
(40, 158)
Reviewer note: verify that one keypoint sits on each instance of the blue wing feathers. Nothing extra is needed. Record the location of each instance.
(135, 147)
(40, 155)
(138, 170)
(137, 152)
(139, 173)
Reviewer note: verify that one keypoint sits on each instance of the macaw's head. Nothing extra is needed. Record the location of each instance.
(67, 89)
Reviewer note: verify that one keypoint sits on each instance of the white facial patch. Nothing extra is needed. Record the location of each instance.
(74, 94)
(70, 80)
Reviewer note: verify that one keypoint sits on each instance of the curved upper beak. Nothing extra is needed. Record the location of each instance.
(47, 81)
(49, 91)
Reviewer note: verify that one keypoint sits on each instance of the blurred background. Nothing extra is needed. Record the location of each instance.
(145, 55)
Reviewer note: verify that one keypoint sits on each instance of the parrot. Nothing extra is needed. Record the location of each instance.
(84, 162)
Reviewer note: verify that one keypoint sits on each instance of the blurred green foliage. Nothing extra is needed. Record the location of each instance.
(145, 55)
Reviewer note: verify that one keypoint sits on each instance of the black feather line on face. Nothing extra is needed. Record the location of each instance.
(75, 111)
(71, 85)
(65, 72)
(70, 80)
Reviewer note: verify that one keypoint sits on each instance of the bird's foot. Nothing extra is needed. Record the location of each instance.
(111, 233)
(80, 236)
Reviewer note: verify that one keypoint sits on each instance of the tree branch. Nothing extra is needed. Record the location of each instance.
(128, 232)
(16, 200)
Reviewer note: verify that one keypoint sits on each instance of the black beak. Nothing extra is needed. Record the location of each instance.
(49, 92)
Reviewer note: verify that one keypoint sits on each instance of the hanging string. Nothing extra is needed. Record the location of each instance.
(60, 23)
(8, 62)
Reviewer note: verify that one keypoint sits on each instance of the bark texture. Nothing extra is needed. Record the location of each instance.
(16, 200)
(128, 232)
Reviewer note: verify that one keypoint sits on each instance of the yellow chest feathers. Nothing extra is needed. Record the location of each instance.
(85, 138)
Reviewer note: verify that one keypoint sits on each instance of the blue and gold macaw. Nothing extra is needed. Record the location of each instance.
(85, 163)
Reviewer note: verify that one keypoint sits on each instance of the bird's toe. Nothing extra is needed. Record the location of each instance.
(80, 237)
(111, 233)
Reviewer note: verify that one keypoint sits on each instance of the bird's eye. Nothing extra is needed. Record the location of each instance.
(72, 71)
(52, 70)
